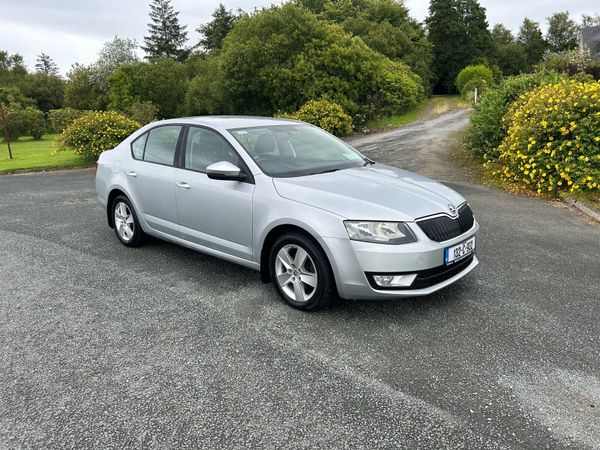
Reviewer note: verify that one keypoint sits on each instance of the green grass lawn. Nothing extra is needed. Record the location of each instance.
(37, 155)
(432, 106)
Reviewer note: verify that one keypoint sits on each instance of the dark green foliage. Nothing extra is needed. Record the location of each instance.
(46, 65)
(509, 55)
(563, 32)
(12, 95)
(385, 26)
(459, 33)
(281, 57)
(531, 38)
(12, 68)
(28, 121)
(215, 31)
(166, 37)
(487, 130)
(46, 90)
(62, 118)
(83, 91)
(162, 82)
(142, 112)
(205, 92)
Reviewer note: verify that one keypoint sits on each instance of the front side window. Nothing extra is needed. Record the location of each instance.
(296, 150)
(205, 147)
(161, 144)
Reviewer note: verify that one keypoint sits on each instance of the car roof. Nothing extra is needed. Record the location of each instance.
(231, 122)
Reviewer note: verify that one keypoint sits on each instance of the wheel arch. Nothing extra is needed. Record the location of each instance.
(270, 238)
(114, 193)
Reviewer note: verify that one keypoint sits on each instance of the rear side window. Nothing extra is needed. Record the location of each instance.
(161, 144)
(137, 148)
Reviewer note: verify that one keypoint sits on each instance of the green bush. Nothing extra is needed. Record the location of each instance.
(474, 76)
(35, 122)
(27, 121)
(325, 114)
(142, 112)
(487, 131)
(572, 62)
(96, 131)
(62, 118)
(553, 139)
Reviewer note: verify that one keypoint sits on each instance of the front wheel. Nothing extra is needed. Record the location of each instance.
(301, 272)
(127, 226)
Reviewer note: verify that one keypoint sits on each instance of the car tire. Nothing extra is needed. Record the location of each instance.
(126, 224)
(301, 272)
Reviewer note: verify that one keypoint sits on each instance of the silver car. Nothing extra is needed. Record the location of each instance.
(285, 198)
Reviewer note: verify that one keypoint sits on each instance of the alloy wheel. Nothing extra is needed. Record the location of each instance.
(296, 273)
(124, 222)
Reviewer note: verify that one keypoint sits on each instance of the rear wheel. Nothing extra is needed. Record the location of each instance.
(301, 272)
(127, 226)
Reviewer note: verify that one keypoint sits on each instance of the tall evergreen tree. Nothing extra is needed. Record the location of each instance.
(563, 32)
(166, 37)
(215, 31)
(458, 30)
(531, 38)
(44, 64)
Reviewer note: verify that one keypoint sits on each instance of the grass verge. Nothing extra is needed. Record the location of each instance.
(430, 107)
(31, 155)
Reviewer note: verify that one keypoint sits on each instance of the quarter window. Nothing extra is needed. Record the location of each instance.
(161, 144)
(205, 147)
(138, 145)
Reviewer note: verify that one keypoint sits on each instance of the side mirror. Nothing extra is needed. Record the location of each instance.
(224, 170)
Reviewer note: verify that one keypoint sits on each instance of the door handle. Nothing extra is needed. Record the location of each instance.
(183, 185)
(131, 173)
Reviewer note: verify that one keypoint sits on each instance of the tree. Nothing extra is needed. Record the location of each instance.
(44, 64)
(46, 90)
(114, 53)
(563, 32)
(385, 26)
(458, 30)
(588, 20)
(161, 81)
(12, 68)
(166, 36)
(509, 55)
(531, 38)
(281, 57)
(83, 91)
(215, 31)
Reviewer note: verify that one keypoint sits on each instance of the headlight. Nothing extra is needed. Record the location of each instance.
(380, 232)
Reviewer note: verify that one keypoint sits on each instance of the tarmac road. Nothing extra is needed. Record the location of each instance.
(106, 346)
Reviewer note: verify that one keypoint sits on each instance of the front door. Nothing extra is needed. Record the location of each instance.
(214, 213)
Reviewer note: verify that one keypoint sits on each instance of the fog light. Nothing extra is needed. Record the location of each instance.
(394, 280)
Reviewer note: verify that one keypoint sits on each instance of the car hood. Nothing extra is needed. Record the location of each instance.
(375, 192)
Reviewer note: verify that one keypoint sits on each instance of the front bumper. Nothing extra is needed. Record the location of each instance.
(354, 261)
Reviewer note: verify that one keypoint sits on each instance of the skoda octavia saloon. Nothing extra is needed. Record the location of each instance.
(310, 213)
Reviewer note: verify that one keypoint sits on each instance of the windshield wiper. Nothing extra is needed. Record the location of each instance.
(368, 162)
(324, 171)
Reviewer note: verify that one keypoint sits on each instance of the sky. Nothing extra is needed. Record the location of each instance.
(74, 30)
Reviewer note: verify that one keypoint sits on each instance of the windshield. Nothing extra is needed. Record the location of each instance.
(296, 149)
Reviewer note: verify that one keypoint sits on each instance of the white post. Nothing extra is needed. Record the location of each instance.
(476, 92)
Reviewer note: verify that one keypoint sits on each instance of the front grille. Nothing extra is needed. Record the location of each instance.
(442, 228)
(429, 277)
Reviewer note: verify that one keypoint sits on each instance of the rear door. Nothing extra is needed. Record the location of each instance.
(213, 213)
(151, 174)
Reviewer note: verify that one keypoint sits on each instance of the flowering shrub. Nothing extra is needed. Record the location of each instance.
(96, 131)
(325, 114)
(62, 118)
(553, 139)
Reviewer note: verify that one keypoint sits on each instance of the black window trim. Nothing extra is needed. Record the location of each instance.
(183, 149)
(146, 133)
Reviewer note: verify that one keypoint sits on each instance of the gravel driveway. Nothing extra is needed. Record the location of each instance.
(105, 346)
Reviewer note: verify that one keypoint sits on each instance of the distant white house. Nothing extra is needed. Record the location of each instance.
(590, 38)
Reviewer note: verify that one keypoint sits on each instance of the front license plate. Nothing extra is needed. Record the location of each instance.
(459, 251)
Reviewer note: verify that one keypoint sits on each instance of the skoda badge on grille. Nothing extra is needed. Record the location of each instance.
(452, 209)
